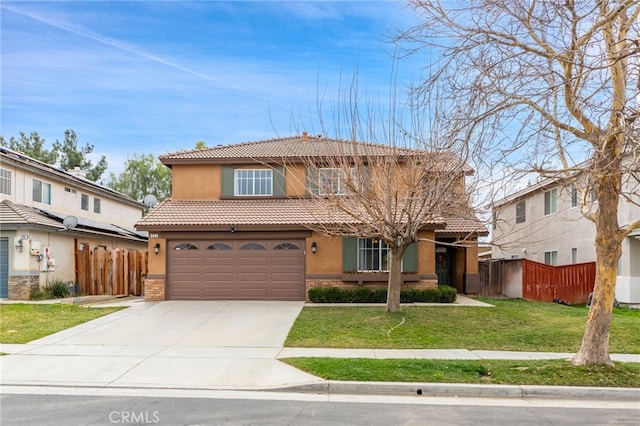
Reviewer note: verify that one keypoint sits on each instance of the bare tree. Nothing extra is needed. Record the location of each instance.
(547, 87)
(389, 177)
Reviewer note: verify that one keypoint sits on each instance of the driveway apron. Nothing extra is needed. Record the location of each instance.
(172, 344)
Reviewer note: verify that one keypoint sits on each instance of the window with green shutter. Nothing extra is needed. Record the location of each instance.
(367, 255)
(253, 182)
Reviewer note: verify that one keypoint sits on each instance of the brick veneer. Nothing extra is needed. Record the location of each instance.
(21, 286)
(154, 289)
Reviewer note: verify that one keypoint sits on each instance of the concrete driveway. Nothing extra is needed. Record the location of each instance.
(173, 344)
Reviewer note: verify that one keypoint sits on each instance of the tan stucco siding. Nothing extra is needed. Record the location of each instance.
(328, 257)
(426, 252)
(296, 177)
(472, 257)
(157, 262)
(196, 182)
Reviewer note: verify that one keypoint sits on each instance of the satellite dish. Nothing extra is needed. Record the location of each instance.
(70, 222)
(150, 200)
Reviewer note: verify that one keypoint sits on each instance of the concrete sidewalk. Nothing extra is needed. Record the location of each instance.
(229, 346)
(442, 354)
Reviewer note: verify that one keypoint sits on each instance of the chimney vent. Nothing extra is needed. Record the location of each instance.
(78, 172)
(305, 137)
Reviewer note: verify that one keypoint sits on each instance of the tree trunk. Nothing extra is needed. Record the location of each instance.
(608, 244)
(395, 280)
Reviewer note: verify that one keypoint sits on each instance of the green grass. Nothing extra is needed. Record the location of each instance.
(22, 323)
(513, 325)
(539, 372)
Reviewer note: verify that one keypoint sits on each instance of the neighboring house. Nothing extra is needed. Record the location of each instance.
(239, 226)
(544, 223)
(37, 244)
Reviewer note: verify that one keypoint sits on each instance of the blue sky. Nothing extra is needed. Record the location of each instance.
(157, 76)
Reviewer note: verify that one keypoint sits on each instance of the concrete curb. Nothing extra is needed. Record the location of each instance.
(464, 390)
(87, 300)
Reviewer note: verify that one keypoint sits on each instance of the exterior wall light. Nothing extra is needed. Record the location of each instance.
(314, 247)
(156, 248)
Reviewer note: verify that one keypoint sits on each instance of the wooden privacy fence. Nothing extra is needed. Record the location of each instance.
(118, 272)
(522, 278)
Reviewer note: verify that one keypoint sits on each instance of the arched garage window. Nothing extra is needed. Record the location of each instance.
(252, 246)
(219, 246)
(286, 246)
(185, 246)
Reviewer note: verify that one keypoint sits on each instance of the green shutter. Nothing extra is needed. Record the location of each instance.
(279, 185)
(312, 180)
(227, 181)
(350, 254)
(410, 259)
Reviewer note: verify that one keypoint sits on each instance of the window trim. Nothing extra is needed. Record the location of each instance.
(44, 196)
(380, 259)
(551, 205)
(5, 181)
(252, 179)
(219, 246)
(521, 211)
(83, 198)
(552, 254)
(340, 175)
(97, 205)
(185, 246)
(252, 246)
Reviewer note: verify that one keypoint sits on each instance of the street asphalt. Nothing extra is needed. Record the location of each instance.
(232, 345)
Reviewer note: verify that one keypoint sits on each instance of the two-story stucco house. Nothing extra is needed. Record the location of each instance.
(37, 245)
(544, 223)
(239, 225)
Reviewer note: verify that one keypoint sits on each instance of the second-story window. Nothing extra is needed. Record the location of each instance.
(332, 181)
(253, 182)
(550, 202)
(5, 182)
(96, 205)
(551, 257)
(521, 212)
(574, 196)
(41, 192)
(84, 202)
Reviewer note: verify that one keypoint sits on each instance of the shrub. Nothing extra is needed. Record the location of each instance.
(442, 294)
(39, 295)
(54, 290)
(59, 289)
(447, 294)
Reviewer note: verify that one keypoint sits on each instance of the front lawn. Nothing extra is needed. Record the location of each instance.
(22, 323)
(539, 372)
(513, 325)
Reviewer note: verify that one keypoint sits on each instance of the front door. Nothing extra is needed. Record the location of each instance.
(4, 267)
(444, 266)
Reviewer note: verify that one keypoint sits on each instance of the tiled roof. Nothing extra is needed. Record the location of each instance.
(289, 147)
(17, 214)
(51, 171)
(268, 211)
(300, 147)
(463, 225)
(260, 214)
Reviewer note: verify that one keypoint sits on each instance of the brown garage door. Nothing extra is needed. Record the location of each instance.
(236, 270)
